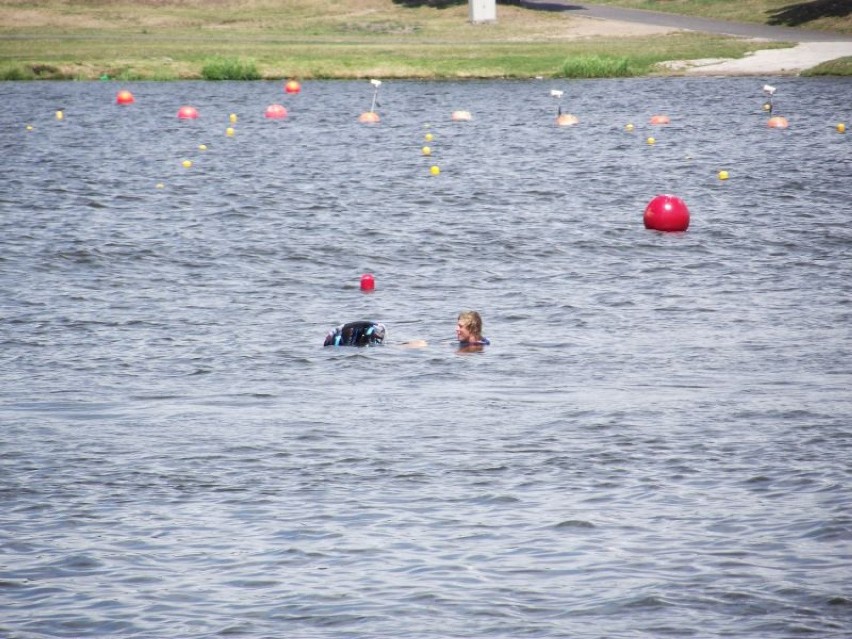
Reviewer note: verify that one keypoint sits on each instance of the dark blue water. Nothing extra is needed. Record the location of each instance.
(656, 444)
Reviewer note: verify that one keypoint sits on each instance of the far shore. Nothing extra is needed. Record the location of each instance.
(357, 39)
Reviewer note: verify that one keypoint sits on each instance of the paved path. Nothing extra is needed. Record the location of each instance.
(813, 48)
(689, 23)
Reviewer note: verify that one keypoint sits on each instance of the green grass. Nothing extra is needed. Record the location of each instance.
(14, 74)
(322, 39)
(841, 66)
(597, 66)
(229, 68)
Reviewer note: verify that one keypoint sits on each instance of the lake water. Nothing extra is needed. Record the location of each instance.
(657, 442)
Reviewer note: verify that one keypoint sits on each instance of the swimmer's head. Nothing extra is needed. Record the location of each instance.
(469, 327)
(376, 333)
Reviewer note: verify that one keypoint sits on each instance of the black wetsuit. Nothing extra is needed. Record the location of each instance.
(356, 334)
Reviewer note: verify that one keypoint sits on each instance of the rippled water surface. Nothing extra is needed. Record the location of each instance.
(656, 444)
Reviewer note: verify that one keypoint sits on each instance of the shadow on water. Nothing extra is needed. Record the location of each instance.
(795, 15)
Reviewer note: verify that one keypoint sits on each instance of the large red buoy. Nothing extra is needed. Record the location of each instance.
(777, 122)
(460, 116)
(292, 87)
(666, 213)
(660, 119)
(124, 97)
(368, 282)
(368, 117)
(187, 113)
(276, 111)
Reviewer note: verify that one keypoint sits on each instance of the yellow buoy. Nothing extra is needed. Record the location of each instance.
(59, 115)
(29, 127)
(202, 147)
(233, 118)
(187, 163)
(629, 127)
(160, 185)
(229, 132)
(426, 150)
(434, 170)
(428, 137)
(723, 175)
(841, 128)
(651, 141)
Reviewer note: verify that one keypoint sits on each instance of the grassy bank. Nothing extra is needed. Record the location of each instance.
(274, 39)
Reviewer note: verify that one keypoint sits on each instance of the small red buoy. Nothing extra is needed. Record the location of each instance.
(368, 283)
(660, 119)
(666, 213)
(276, 111)
(368, 117)
(187, 113)
(292, 87)
(777, 122)
(124, 97)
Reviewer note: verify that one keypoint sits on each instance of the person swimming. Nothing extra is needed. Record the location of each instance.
(363, 333)
(370, 333)
(469, 332)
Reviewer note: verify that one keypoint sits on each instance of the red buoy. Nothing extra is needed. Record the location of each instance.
(368, 282)
(124, 97)
(660, 119)
(276, 111)
(369, 117)
(292, 87)
(666, 213)
(187, 113)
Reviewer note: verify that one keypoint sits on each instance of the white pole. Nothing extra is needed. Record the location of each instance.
(483, 11)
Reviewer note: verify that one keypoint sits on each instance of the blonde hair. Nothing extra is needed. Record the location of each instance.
(472, 321)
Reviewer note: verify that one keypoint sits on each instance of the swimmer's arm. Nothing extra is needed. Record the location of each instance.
(415, 343)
